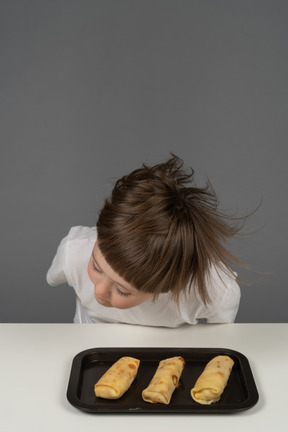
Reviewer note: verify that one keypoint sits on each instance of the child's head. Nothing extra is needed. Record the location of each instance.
(161, 233)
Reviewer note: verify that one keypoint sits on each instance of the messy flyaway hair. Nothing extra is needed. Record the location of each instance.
(162, 234)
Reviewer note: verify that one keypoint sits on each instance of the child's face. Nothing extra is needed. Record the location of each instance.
(110, 289)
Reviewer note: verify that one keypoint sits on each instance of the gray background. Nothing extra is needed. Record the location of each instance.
(91, 89)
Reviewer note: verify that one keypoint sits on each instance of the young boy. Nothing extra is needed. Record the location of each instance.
(157, 256)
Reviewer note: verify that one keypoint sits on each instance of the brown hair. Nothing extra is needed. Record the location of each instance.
(162, 235)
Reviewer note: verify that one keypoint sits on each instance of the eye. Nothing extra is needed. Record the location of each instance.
(96, 268)
(121, 293)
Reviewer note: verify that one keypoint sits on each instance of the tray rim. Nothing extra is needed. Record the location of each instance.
(73, 399)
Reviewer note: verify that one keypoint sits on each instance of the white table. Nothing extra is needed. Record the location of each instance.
(36, 359)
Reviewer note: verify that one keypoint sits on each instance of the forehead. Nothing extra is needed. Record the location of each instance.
(107, 269)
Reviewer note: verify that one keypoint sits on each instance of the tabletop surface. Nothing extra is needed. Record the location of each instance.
(36, 363)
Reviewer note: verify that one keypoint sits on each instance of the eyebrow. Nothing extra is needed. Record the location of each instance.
(96, 262)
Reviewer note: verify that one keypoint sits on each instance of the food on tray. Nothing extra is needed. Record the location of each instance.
(117, 380)
(164, 381)
(211, 383)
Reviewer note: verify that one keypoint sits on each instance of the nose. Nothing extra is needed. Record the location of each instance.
(102, 289)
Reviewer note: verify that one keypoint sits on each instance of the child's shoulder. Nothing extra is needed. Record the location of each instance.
(80, 233)
(78, 246)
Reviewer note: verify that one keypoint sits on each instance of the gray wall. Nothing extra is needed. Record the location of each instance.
(91, 89)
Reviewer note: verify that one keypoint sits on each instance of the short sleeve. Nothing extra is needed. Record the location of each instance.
(224, 310)
(224, 294)
(56, 274)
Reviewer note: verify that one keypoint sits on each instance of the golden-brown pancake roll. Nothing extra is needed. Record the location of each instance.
(164, 381)
(117, 380)
(212, 382)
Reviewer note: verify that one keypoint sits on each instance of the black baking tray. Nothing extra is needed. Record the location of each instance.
(89, 365)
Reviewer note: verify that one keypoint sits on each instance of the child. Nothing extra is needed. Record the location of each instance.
(157, 256)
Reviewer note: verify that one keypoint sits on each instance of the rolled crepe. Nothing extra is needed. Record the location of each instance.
(164, 381)
(118, 379)
(211, 383)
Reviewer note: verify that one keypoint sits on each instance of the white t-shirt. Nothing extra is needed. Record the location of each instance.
(70, 266)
